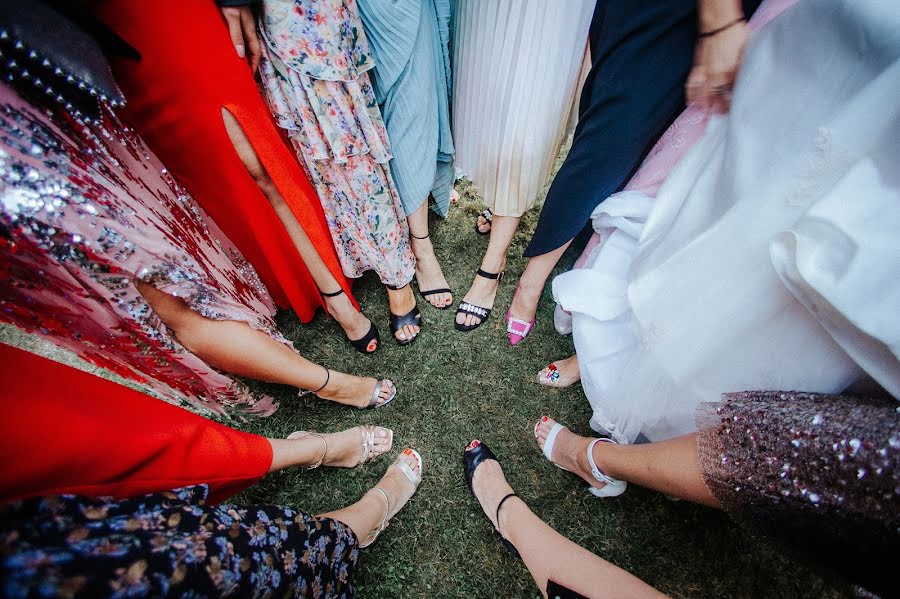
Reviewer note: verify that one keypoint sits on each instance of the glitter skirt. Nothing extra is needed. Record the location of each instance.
(818, 472)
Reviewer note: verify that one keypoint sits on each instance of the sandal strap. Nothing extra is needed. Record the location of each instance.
(598, 474)
(384, 519)
(525, 327)
(301, 434)
(410, 474)
(413, 317)
(497, 516)
(335, 294)
(396, 287)
(488, 214)
(368, 443)
(414, 236)
(494, 276)
(325, 384)
(434, 292)
(474, 310)
(362, 344)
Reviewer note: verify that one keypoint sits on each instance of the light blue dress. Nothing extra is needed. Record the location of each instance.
(409, 40)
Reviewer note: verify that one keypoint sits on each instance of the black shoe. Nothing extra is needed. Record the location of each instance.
(413, 318)
(472, 458)
(363, 345)
(482, 313)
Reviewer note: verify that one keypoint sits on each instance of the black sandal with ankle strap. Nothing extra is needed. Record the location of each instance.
(472, 458)
(412, 318)
(480, 312)
(425, 294)
(363, 345)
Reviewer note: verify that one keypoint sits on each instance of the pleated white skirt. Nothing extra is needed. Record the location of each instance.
(516, 72)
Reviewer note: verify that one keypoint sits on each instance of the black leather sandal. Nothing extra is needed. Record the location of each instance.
(368, 343)
(482, 313)
(472, 458)
(487, 215)
(413, 318)
(426, 294)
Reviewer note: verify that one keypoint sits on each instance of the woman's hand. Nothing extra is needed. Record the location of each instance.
(717, 60)
(242, 29)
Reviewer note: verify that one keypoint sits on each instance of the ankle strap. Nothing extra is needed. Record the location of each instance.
(489, 275)
(325, 384)
(414, 236)
(396, 288)
(500, 505)
(599, 476)
(335, 294)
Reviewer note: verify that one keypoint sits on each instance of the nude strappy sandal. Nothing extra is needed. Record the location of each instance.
(368, 444)
(415, 479)
(612, 487)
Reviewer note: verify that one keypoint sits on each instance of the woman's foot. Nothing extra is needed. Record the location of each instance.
(354, 322)
(525, 302)
(393, 491)
(570, 451)
(402, 301)
(482, 293)
(428, 273)
(561, 373)
(352, 447)
(483, 222)
(489, 486)
(355, 390)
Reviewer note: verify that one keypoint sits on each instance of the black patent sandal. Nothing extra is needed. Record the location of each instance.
(472, 458)
(480, 312)
(487, 215)
(368, 343)
(426, 294)
(412, 318)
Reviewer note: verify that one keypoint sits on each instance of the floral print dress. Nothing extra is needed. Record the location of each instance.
(314, 71)
(171, 544)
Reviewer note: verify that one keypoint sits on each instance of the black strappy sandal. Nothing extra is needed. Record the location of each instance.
(487, 215)
(412, 318)
(472, 458)
(426, 294)
(363, 345)
(482, 313)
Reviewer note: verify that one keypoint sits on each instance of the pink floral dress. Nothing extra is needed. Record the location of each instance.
(315, 76)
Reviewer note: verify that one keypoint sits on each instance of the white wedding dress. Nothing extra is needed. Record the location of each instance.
(770, 258)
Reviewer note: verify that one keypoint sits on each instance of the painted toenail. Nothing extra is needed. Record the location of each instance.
(407, 451)
(544, 418)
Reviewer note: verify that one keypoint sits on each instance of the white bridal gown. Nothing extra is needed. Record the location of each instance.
(770, 258)
(517, 66)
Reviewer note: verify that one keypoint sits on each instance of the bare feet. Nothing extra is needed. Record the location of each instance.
(352, 447)
(570, 450)
(561, 373)
(489, 486)
(354, 323)
(392, 492)
(482, 293)
(402, 301)
(428, 273)
(354, 390)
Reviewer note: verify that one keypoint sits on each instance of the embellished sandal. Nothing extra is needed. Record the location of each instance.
(426, 294)
(482, 313)
(487, 215)
(368, 444)
(368, 343)
(611, 488)
(373, 401)
(413, 318)
(415, 479)
(476, 453)
(518, 329)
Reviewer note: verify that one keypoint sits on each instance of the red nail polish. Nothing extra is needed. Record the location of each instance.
(543, 419)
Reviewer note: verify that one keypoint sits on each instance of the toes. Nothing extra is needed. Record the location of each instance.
(387, 389)
(409, 458)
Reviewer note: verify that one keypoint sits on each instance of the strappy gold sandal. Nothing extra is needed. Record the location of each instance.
(368, 444)
(411, 475)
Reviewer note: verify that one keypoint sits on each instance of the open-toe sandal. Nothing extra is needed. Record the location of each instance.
(426, 294)
(472, 458)
(412, 318)
(488, 216)
(373, 401)
(611, 486)
(368, 343)
(368, 444)
(412, 476)
(478, 311)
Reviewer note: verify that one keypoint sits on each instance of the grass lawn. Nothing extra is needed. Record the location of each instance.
(454, 387)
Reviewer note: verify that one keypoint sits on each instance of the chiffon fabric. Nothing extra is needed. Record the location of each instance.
(187, 75)
(820, 473)
(769, 258)
(314, 72)
(86, 210)
(517, 67)
(409, 42)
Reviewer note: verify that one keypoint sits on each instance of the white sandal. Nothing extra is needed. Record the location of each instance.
(612, 487)
(411, 475)
(368, 444)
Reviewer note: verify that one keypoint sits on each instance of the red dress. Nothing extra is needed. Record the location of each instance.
(66, 431)
(188, 72)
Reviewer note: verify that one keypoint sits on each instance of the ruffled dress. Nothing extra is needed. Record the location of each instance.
(314, 72)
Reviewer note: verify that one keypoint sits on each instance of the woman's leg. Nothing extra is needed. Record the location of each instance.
(237, 348)
(343, 449)
(671, 467)
(547, 554)
(531, 284)
(483, 291)
(428, 270)
(355, 325)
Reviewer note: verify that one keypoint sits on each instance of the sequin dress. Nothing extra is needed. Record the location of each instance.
(314, 72)
(85, 210)
(171, 544)
(819, 472)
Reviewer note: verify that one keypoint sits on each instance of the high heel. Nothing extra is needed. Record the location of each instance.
(473, 456)
(368, 343)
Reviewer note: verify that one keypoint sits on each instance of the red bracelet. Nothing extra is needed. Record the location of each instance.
(720, 29)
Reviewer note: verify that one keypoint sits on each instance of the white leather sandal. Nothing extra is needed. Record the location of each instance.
(611, 486)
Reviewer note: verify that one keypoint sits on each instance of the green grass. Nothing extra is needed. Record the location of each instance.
(454, 387)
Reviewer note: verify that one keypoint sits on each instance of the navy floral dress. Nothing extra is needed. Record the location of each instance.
(170, 544)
